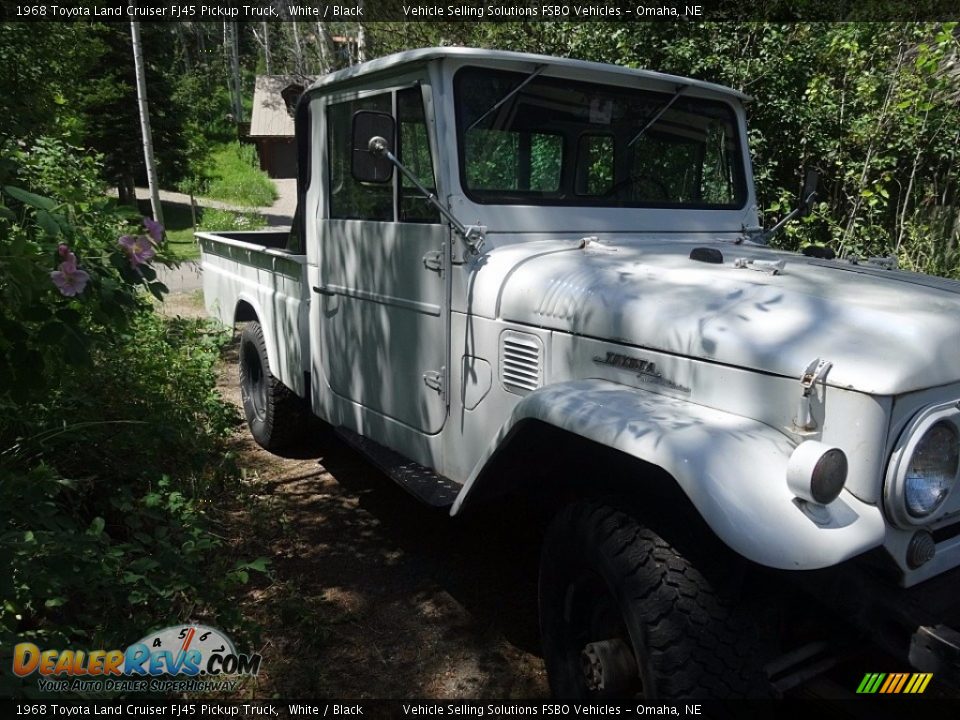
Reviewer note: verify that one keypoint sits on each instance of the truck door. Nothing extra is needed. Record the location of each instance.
(383, 295)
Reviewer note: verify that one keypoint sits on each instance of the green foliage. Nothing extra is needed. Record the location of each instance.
(40, 326)
(38, 82)
(110, 426)
(235, 176)
(872, 106)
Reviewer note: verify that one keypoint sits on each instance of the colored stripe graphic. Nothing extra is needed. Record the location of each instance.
(903, 681)
(871, 683)
(894, 683)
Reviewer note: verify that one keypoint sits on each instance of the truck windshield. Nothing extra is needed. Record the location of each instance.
(559, 142)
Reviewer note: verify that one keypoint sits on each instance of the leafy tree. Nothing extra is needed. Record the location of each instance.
(38, 83)
(109, 106)
(872, 106)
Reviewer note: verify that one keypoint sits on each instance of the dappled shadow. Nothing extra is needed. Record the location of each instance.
(386, 596)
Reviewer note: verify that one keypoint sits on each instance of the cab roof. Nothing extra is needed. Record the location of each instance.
(391, 62)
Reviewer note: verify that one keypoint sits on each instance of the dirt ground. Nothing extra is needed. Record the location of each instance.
(371, 594)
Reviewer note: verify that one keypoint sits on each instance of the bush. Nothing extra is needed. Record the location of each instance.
(111, 428)
(235, 176)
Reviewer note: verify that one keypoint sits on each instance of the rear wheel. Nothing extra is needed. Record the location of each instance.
(276, 416)
(625, 613)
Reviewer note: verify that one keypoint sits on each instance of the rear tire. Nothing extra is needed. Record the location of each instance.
(608, 581)
(276, 416)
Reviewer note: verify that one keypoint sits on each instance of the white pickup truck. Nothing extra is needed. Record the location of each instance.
(515, 273)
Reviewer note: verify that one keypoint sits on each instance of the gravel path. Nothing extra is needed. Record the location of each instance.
(278, 214)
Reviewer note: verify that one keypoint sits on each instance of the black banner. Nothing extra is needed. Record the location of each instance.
(478, 10)
(872, 708)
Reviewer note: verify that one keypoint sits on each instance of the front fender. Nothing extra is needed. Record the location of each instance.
(732, 468)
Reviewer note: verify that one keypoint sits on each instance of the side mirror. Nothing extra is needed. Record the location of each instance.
(372, 140)
(809, 192)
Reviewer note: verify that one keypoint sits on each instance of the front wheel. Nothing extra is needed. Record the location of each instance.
(276, 416)
(624, 613)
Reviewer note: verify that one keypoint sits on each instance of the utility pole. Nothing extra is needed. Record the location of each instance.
(145, 122)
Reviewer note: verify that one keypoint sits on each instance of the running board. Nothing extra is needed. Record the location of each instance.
(423, 483)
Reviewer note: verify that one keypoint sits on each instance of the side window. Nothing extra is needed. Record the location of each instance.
(350, 198)
(413, 150)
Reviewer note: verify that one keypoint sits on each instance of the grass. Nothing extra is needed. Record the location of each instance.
(179, 225)
(213, 219)
(234, 176)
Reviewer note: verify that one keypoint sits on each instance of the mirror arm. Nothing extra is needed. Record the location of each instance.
(472, 236)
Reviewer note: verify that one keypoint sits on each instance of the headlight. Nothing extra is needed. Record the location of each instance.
(932, 469)
(920, 487)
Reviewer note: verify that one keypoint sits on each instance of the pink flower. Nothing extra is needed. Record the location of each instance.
(154, 229)
(139, 249)
(69, 260)
(69, 279)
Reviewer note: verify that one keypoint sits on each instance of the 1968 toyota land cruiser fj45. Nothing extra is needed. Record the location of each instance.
(503, 262)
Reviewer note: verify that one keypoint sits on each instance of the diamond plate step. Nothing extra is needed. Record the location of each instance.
(421, 482)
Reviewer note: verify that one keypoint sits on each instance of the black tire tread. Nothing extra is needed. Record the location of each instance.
(286, 416)
(699, 643)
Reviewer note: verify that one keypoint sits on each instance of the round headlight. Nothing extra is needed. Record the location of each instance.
(932, 470)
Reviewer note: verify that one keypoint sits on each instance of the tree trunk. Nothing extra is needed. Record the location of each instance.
(266, 48)
(323, 43)
(235, 70)
(226, 63)
(361, 39)
(297, 48)
(126, 189)
(145, 123)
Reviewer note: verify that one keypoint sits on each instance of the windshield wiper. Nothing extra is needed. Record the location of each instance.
(539, 69)
(657, 115)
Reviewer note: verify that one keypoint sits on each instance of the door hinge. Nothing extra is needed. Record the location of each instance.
(433, 260)
(434, 379)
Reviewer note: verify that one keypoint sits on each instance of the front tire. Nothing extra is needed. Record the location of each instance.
(625, 613)
(275, 415)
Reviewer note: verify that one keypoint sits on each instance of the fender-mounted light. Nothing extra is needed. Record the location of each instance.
(921, 549)
(816, 472)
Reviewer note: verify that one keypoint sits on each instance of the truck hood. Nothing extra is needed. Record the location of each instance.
(885, 331)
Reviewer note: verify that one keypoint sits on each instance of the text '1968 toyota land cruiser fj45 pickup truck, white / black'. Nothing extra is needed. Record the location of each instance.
(505, 262)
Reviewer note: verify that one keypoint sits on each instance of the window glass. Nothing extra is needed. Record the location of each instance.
(414, 152)
(555, 141)
(499, 160)
(349, 198)
(595, 165)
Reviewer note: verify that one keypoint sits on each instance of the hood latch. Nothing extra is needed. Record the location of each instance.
(815, 372)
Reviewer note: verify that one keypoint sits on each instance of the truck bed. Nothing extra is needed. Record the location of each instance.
(249, 275)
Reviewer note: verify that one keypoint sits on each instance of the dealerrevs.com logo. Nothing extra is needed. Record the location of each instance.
(178, 658)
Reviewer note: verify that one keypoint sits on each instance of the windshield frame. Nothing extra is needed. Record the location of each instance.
(739, 163)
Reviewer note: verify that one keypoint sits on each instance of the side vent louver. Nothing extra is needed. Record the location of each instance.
(521, 362)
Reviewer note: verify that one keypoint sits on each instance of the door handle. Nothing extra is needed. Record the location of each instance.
(323, 291)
